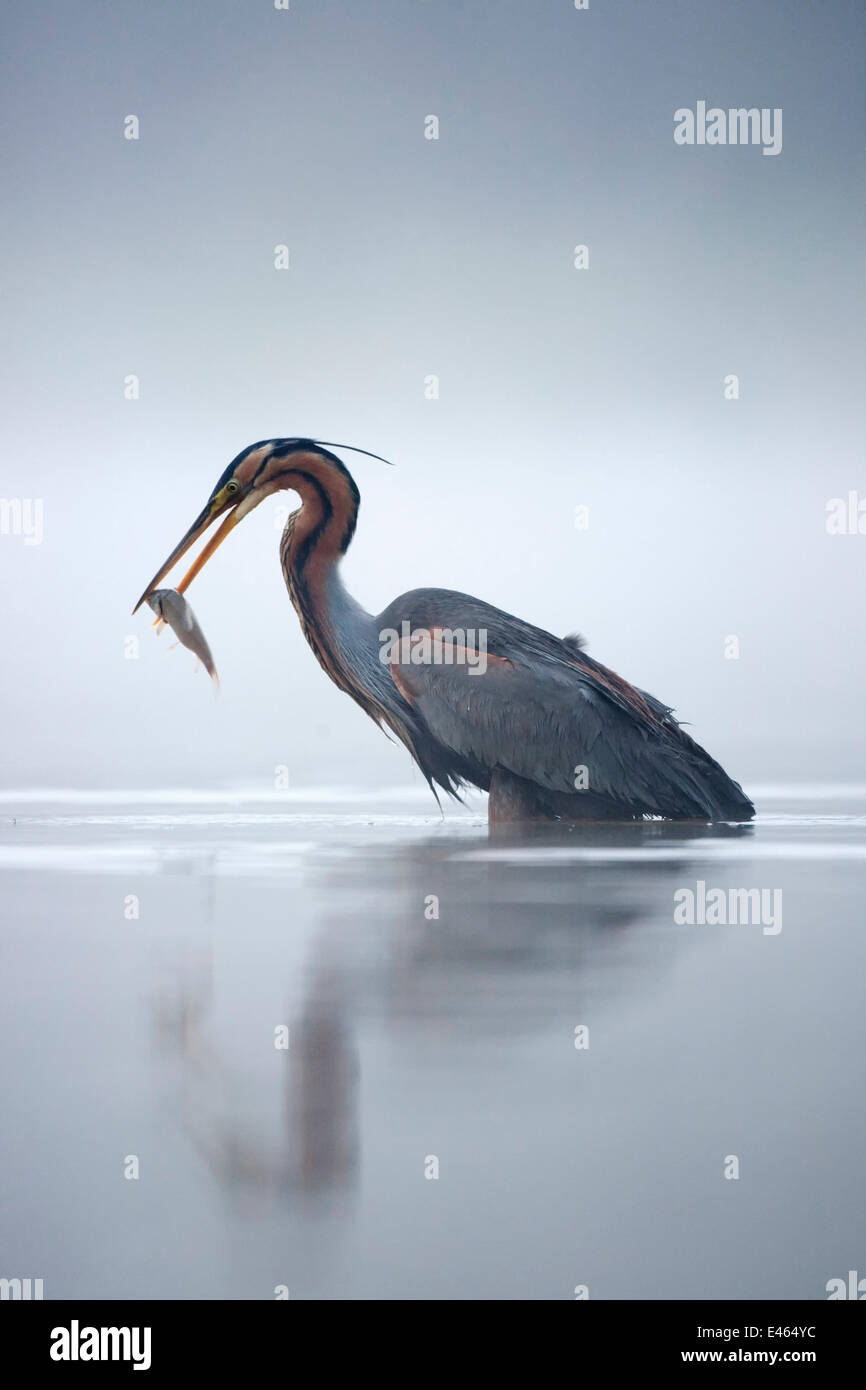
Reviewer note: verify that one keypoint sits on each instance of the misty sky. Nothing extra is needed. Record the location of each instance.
(559, 387)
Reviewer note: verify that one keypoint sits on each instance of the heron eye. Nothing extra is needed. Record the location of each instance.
(233, 486)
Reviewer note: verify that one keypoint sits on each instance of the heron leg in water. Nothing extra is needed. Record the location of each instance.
(515, 800)
(511, 799)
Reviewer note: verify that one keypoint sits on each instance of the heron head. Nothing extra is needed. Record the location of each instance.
(255, 474)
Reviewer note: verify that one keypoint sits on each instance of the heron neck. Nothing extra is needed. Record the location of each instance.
(342, 634)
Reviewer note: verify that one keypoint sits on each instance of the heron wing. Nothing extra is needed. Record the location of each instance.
(543, 709)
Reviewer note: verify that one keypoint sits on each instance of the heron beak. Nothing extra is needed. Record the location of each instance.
(198, 528)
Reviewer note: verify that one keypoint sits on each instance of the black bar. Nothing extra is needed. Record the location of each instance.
(218, 1338)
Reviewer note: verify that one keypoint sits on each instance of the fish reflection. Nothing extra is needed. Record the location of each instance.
(316, 1145)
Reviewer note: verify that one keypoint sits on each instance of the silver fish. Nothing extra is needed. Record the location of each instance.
(172, 610)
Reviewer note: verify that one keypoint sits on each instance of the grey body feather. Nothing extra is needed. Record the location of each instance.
(543, 709)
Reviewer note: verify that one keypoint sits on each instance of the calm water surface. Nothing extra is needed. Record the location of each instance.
(431, 982)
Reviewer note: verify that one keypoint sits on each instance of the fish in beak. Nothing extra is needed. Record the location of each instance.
(224, 501)
(172, 610)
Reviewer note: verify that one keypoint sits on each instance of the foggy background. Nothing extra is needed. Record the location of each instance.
(410, 257)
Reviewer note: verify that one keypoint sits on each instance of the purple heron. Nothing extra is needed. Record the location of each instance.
(479, 697)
